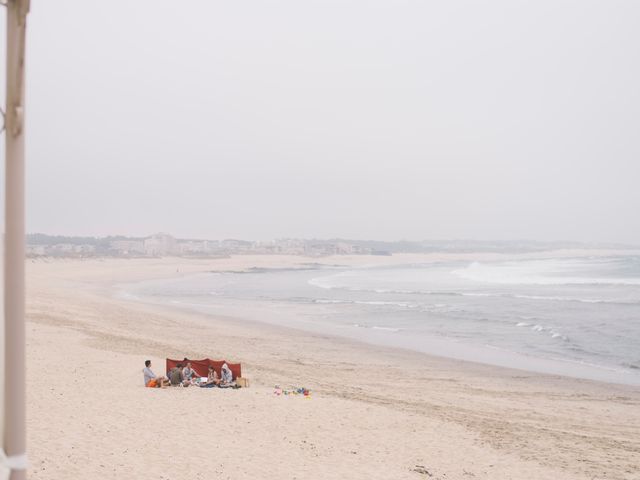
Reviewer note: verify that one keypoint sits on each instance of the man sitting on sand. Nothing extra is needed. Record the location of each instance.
(150, 378)
(176, 377)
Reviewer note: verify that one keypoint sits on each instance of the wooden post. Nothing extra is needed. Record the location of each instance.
(14, 442)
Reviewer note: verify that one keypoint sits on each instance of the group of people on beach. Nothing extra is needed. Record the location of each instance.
(183, 375)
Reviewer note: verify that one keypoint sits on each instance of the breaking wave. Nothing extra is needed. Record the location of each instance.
(550, 272)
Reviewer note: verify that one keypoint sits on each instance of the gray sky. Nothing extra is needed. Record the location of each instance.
(362, 119)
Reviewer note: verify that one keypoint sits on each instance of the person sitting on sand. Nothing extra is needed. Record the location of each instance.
(227, 376)
(212, 378)
(150, 378)
(189, 373)
(176, 376)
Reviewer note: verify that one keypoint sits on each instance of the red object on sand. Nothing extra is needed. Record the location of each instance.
(202, 366)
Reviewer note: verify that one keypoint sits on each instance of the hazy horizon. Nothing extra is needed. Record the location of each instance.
(444, 241)
(324, 119)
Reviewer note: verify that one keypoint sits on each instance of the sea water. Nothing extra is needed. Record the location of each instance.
(577, 316)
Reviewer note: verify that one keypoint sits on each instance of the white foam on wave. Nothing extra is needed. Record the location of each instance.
(332, 282)
(383, 303)
(320, 282)
(543, 329)
(544, 272)
(376, 327)
(329, 282)
(388, 329)
(375, 303)
(549, 298)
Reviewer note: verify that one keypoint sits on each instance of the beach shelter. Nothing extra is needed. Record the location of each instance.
(13, 460)
(201, 367)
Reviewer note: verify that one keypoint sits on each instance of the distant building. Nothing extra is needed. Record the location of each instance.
(195, 247)
(161, 244)
(128, 247)
(231, 245)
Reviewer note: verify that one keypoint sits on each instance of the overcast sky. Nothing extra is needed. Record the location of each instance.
(360, 119)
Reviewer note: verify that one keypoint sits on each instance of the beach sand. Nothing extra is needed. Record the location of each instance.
(374, 413)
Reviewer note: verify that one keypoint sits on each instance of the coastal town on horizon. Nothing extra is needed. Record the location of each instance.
(164, 244)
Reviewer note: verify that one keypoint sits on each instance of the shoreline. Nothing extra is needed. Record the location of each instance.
(449, 416)
(443, 347)
(468, 354)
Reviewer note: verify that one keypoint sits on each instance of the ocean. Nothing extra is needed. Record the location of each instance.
(576, 316)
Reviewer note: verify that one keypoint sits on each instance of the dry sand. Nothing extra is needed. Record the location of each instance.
(374, 413)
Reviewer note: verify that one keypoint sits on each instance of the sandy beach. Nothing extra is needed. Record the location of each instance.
(374, 413)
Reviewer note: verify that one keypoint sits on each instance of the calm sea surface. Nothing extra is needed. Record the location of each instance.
(571, 316)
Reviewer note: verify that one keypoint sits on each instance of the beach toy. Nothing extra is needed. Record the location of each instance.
(294, 391)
